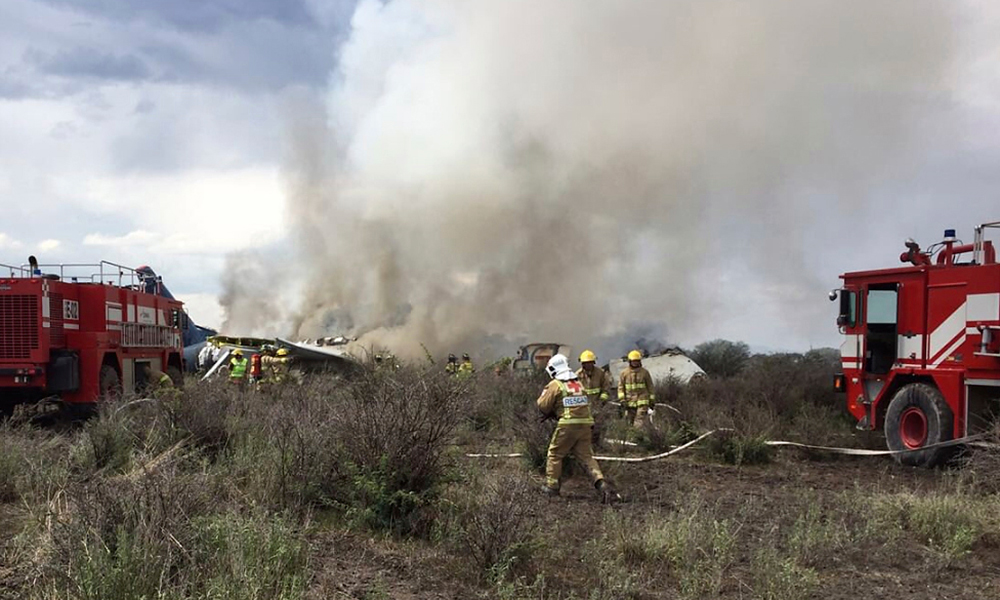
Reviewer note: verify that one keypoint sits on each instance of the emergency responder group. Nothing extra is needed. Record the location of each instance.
(573, 397)
(463, 369)
(269, 366)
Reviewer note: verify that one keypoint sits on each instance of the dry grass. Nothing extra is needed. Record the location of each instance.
(221, 493)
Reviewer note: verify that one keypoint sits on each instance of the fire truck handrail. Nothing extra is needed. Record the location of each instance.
(21, 270)
(106, 272)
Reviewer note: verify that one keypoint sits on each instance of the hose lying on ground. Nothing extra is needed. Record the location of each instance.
(973, 440)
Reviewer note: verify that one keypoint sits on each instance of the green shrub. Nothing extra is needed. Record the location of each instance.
(254, 556)
(740, 449)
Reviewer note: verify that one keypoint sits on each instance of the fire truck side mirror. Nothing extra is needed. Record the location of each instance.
(846, 316)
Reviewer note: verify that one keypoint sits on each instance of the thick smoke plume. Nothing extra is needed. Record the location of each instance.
(568, 171)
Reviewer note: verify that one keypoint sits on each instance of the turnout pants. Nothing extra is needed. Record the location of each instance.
(575, 440)
(637, 415)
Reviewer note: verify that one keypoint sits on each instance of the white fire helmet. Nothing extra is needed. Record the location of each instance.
(558, 368)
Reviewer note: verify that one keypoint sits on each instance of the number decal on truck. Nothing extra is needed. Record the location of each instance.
(71, 310)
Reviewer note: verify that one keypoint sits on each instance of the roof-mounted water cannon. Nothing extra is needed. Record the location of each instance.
(914, 255)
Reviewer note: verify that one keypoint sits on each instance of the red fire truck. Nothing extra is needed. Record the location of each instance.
(79, 332)
(921, 350)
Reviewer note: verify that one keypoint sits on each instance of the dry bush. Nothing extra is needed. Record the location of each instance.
(163, 533)
(533, 434)
(393, 428)
(492, 401)
(492, 521)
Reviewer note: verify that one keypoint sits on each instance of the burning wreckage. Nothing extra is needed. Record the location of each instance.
(663, 365)
(327, 355)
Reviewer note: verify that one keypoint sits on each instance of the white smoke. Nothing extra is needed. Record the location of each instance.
(566, 170)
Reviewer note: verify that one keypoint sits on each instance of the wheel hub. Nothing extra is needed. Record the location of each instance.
(913, 428)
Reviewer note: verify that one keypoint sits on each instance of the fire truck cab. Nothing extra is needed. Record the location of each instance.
(80, 332)
(921, 349)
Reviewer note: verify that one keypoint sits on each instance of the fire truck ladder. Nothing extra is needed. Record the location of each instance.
(979, 256)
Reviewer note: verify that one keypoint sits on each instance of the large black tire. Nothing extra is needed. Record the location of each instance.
(918, 416)
(111, 383)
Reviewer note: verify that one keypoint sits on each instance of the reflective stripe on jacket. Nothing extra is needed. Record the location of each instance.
(635, 387)
(595, 385)
(567, 401)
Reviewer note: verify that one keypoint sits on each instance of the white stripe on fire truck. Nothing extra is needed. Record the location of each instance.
(71, 325)
(849, 349)
(131, 313)
(944, 334)
(949, 351)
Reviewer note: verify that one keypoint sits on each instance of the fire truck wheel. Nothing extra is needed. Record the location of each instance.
(176, 376)
(111, 385)
(918, 416)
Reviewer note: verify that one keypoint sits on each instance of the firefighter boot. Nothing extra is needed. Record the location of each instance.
(607, 493)
(550, 491)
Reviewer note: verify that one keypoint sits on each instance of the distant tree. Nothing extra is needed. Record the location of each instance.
(721, 358)
(823, 356)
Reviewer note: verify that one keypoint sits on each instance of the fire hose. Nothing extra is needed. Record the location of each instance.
(974, 440)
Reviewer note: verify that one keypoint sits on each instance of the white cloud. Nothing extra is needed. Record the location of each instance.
(8, 243)
(194, 212)
(132, 238)
(47, 245)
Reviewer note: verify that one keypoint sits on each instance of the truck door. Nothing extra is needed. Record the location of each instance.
(881, 321)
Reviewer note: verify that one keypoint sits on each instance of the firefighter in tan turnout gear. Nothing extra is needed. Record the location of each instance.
(635, 389)
(564, 399)
(596, 384)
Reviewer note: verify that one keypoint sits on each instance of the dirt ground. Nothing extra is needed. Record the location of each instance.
(353, 565)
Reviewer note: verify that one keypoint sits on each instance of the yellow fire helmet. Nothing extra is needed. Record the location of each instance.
(635, 355)
(237, 352)
(282, 351)
(588, 356)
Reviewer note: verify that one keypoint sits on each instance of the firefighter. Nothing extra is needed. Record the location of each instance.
(278, 366)
(157, 382)
(237, 368)
(596, 384)
(635, 389)
(466, 369)
(451, 367)
(564, 399)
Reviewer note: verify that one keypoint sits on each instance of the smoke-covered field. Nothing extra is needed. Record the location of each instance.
(362, 489)
(481, 174)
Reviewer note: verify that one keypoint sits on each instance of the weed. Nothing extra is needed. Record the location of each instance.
(741, 449)
(781, 578)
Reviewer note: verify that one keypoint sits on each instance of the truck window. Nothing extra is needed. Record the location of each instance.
(848, 309)
(882, 307)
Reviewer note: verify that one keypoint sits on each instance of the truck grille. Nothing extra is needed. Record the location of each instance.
(57, 334)
(18, 326)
